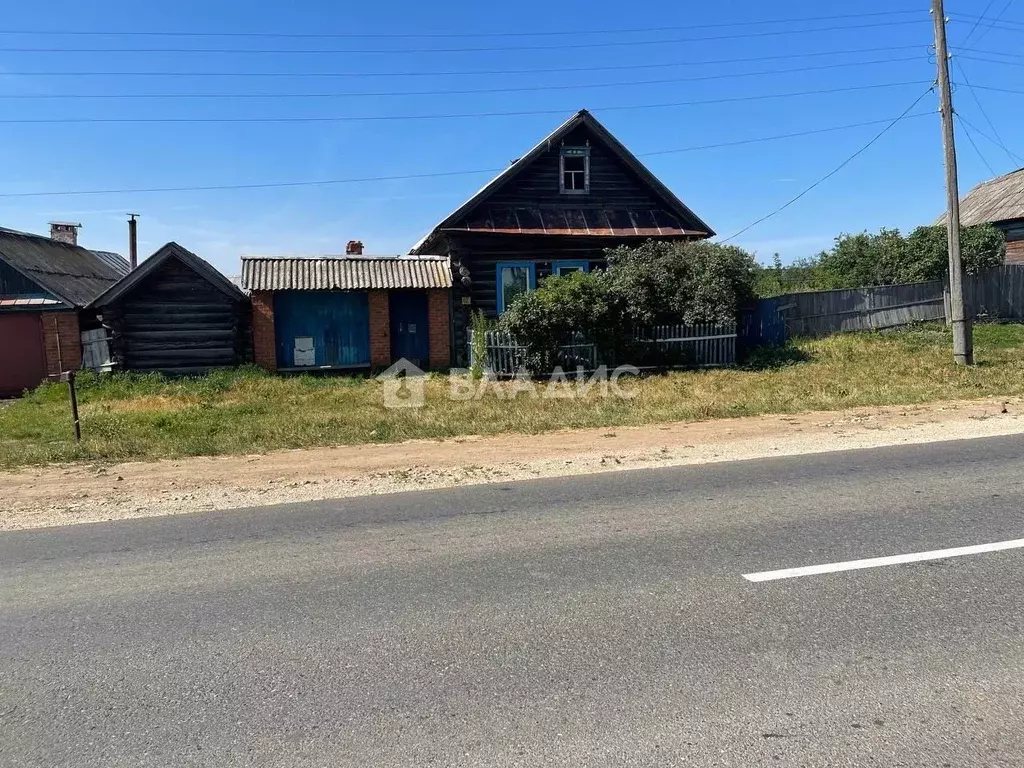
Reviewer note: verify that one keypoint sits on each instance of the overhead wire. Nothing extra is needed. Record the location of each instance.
(981, 108)
(978, 21)
(974, 144)
(447, 35)
(478, 49)
(984, 135)
(472, 73)
(455, 92)
(834, 171)
(409, 177)
(449, 116)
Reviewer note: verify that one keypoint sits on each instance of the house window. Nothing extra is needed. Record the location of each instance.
(574, 164)
(568, 267)
(514, 278)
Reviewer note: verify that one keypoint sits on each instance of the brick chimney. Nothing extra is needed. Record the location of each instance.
(64, 231)
(354, 248)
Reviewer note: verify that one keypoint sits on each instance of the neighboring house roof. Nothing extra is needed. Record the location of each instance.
(677, 220)
(72, 274)
(115, 261)
(998, 199)
(344, 273)
(150, 265)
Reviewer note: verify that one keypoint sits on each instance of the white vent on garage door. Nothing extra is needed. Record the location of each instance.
(305, 352)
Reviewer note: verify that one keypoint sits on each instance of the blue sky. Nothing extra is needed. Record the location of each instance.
(897, 182)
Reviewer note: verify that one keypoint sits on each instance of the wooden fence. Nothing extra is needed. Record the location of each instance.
(997, 294)
(705, 345)
(861, 309)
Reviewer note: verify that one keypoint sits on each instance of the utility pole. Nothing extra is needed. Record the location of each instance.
(963, 334)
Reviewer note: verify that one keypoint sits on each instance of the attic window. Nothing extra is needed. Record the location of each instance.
(574, 164)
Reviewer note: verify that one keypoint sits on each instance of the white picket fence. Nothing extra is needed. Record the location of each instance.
(704, 346)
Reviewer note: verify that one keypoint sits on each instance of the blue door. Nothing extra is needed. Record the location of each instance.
(409, 337)
(322, 329)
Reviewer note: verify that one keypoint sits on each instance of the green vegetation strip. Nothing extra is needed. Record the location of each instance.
(127, 417)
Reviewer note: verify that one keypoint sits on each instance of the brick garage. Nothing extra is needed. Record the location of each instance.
(350, 312)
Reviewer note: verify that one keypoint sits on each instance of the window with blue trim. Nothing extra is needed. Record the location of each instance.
(568, 267)
(514, 278)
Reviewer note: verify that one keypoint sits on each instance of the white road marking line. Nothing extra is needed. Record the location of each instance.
(876, 562)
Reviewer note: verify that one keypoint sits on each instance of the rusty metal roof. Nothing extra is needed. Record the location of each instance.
(344, 273)
(998, 199)
(583, 117)
(29, 302)
(602, 222)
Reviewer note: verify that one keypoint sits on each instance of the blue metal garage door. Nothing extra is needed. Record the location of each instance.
(322, 329)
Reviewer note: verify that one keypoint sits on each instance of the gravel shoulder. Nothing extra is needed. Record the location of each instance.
(82, 493)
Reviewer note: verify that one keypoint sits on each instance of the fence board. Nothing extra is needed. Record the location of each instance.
(705, 345)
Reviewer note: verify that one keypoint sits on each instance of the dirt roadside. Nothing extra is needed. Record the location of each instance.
(81, 493)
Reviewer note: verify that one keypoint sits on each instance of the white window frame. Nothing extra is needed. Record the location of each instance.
(583, 152)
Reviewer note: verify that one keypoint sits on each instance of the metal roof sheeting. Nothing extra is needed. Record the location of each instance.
(998, 199)
(340, 273)
(72, 273)
(602, 222)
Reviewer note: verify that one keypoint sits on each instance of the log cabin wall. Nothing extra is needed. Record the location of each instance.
(176, 322)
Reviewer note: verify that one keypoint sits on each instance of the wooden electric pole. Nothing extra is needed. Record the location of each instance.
(963, 335)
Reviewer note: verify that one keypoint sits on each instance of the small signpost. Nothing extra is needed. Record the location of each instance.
(69, 377)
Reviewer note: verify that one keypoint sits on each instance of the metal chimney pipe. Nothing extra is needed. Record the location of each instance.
(133, 241)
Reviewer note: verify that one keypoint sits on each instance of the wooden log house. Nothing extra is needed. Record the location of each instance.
(554, 210)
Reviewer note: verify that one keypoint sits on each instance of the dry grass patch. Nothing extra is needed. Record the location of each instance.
(146, 417)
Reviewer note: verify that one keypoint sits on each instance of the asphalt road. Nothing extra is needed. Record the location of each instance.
(587, 621)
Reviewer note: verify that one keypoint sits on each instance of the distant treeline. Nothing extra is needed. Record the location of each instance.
(883, 258)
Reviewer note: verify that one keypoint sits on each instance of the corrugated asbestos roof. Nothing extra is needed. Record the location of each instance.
(73, 274)
(344, 273)
(602, 222)
(998, 199)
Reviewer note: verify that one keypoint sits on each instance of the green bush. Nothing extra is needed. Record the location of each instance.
(661, 283)
(544, 319)
(653, 284)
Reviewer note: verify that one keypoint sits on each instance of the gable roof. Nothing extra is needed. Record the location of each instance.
(579, 224)
(71, 273)
(998, 199)
(344, 273)
(150, 265)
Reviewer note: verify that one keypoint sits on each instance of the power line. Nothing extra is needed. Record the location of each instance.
(978, 21)
(478, 72)
(397, 51)
(834, 171)
(986, 28)
(984, 113)
(443, 35)
(970, 138)
(407, 177)
(465, 115)
(981, 133)
(451, 92)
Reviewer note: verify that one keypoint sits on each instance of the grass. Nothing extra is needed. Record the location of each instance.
(242, 411)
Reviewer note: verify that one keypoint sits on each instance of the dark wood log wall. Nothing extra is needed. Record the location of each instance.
(177, 323)
(481, 254)
(612, 183)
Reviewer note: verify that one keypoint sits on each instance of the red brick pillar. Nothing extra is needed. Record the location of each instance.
(62, 341)
(264, 341)
(439, 322)
(380, 330)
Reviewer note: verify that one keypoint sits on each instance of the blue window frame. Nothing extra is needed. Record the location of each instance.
(565, 267)
(514, 278)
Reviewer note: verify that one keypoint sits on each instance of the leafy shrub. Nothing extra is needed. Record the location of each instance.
(693, 282)
(653, 284)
